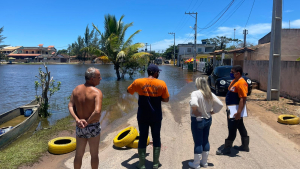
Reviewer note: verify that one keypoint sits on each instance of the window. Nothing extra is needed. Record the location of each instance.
(199, 50)
(32, 52)
(38, 52)
(46, 52)
(26, 52)
(189, 50)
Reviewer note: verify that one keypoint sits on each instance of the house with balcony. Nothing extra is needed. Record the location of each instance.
(9, 49)
(186, 51)
(33, 53)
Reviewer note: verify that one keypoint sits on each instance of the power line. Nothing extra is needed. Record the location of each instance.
(230, 4)
(234, 10)
(250, 13)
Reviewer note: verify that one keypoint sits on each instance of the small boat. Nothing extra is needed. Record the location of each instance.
(17, 121)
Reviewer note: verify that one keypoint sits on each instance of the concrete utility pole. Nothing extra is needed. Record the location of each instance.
(234, 34)
(273, 90)
(195, 52)
(172, 33)
(245, 32)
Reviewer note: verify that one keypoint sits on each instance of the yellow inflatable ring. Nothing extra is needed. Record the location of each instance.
(125, 137)
(62, 145)
(135, 143)
(288, 119)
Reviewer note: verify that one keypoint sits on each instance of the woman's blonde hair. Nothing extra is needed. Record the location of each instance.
(202, 85)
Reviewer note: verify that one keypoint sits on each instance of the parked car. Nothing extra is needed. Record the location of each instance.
(220, 80)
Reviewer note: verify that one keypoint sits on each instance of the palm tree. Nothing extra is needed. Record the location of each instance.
(113, 43)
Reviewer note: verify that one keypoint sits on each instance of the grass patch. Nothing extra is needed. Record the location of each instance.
(31, 149)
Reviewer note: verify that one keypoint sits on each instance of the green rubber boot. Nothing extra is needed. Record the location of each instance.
(142, 158)
(156, 153)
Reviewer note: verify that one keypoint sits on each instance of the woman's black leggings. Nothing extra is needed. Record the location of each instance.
(233, 125)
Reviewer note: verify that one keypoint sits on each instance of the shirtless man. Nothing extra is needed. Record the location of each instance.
(85, 107)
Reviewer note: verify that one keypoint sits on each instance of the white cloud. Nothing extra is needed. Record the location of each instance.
(255, 32)
(288, 11)
(294, 24)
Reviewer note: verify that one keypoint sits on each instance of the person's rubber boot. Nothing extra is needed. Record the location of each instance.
(156, 153)
(196, 162)
(203, 162)
(142, 158)
(244, 146)
(227, 147)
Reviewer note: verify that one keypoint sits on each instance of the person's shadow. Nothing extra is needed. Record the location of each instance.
(126, 164)
(234, 152)
(185, 164)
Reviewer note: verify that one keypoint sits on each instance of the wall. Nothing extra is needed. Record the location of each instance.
(290, 46)
(289, 77)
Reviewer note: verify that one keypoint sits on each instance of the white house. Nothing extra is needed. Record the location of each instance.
(187, 50)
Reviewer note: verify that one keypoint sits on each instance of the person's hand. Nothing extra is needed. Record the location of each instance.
(81, 123)
(237, 116)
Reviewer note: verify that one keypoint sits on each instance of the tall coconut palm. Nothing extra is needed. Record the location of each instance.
(113, 41)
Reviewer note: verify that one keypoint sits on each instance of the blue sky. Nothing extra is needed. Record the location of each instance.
(59, 22)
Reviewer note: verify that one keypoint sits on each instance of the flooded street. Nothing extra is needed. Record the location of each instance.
(17, 88)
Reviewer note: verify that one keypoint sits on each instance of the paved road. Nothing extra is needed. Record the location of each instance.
(268, 149)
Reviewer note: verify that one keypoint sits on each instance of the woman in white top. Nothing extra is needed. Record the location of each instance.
(203, 104)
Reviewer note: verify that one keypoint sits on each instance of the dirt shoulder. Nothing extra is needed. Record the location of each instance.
(268, 112)
(270, 145)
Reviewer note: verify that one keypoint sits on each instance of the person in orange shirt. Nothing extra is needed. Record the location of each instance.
(236, 95)
(152, 92)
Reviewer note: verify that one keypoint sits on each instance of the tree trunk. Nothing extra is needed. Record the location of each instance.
(117, 71)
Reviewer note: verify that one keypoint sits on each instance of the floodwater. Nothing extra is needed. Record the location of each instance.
(17, 89)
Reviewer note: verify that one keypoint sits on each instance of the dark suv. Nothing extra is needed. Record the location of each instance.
(220, 80)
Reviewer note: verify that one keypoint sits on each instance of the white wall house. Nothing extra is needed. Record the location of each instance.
(187, 50)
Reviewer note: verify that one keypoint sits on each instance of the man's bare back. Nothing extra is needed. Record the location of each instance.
(87, 101)
(85, 107)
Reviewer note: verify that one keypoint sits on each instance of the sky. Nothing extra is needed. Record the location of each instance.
(59, 22)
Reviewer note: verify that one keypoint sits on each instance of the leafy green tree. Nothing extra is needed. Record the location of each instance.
(1, 36)
(2, 56)
(77, 46)
(154, 55)
(62, 51)
(221, 41)
(113, 43)
(168, 54)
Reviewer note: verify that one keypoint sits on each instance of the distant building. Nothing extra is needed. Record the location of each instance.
(37, 53)
(186, 51)
(9, 49)
(290, 46)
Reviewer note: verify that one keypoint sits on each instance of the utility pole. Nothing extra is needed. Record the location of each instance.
(273, 90)
(234, 34)
(174, 47)
(245, 32)
(146, 47)
(195, 54)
